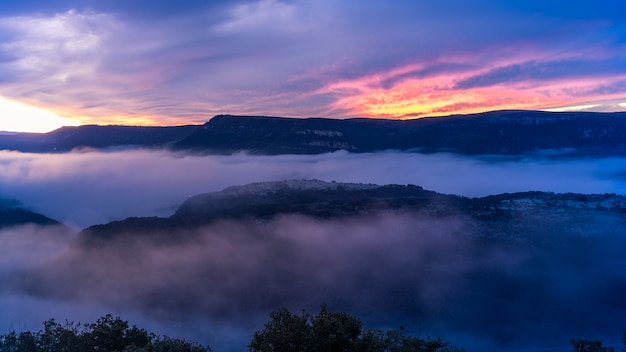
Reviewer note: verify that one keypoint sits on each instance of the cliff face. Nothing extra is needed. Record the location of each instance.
(498, 132)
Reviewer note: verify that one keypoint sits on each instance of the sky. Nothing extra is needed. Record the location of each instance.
(172, 62)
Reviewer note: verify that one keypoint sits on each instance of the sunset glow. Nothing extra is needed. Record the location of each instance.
(16, 116)
(174, 64)
(438, 96)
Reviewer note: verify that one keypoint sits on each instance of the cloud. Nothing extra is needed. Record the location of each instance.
(138, 72)
(172, 63)
(533, 71)
(435, 276)
(89, 187)
(136, 10)
(425, 72)
(217, 284)
(615, 87)
(54, 49)
(262, 15)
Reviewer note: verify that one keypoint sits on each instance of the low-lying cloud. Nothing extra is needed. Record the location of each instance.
(97, 187)
(218, 283)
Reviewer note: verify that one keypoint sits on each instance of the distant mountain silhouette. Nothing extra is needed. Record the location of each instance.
(13, 214)
(497, 132)
(98, 137)
(511, 132)
(526, 215)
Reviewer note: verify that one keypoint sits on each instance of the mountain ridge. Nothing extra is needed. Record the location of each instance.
(66, 139)
(505, 132)
(511, 132)
(510, 215)
(12, 213)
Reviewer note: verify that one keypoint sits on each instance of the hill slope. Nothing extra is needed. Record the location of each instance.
(513, 268)
(90, 136)
(12, 214)
(527, 215)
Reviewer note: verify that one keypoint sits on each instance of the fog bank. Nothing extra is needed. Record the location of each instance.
(219, 283)
(97, 187)
(435, 276)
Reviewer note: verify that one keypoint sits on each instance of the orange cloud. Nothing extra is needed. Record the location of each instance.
(436, 96)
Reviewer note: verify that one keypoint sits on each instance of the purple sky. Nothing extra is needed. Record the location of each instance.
(176, 62)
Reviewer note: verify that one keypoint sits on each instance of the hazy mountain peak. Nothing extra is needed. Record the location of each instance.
(12, 213)
(9, 203)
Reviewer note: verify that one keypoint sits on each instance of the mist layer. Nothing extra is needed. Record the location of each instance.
(97, 187)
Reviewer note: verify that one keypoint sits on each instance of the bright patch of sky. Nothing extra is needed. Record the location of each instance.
(18, 117)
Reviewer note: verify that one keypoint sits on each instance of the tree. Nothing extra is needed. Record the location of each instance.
(59, 338)
(106, 334)
(27, 342)
(166, 344)
(398, 341)
(581, 345)
(285, 332)
(114, 334)
(335, 332)
(8, 342)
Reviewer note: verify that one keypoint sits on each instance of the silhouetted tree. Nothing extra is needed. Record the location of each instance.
(335, 332)
(285, 332)
(166, 344)
(581, 345)
(59, 338)
(114, 334)
(399, 341)
(106, 334)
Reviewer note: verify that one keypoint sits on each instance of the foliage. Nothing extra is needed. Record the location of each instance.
(285, 332)
(581, 345)
(107, 334)
(335, 332)
(398, 341)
